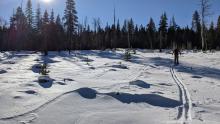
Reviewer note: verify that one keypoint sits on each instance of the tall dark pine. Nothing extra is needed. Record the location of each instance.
(22, 29)
(45, 31)
(130, 33)
(218, 33)
(211, 36)
(59, 34)
(118, 34)
(12, 32)
(52, 17)
(38, 19)
(163, 30)
(151, 30)
(45, 18)
(196, 27)
(171, 35)
(71, 20)
(29, 14)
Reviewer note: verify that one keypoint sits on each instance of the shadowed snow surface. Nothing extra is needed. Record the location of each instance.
(100, 87)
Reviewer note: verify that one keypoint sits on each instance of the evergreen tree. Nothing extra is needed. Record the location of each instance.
(29, 14)
(59, 34)
(12, 32)
(151, 30)
(130, 30)
(52, 17)
(45, 32)
(45, 18)
(218, 33)
(21, 29)
(163, 30)
(211, 36)
(171, 35)
(38, 19)
(71, 21)
(196, 27)
(118, 34)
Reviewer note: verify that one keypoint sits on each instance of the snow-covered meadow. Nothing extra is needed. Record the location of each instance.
(99, 87)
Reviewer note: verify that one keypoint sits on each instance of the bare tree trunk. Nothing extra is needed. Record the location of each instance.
(128, 40)
(160, 41)
(205, 8)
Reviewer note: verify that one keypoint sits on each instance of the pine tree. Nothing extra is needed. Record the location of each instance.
(218, 33)
(130, 30)
(29, 14)
(118, 34)
(22, 29)
(58, 21)
(151, 30)
(71, 20)
(46, 18)
(163, 30)
(38, 19)
(171, 35)
(196, 27)
(59, 34)
(45, 32)
(211, 36)
(52, 17)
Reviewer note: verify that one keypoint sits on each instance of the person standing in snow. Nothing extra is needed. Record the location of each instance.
(176, 53)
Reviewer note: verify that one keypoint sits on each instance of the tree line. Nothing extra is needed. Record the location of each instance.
(39, 31)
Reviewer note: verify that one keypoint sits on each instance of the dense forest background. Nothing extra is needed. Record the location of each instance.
(43, 31)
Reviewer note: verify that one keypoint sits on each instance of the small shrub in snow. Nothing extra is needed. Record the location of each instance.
(134, 51)
(44, 70)
(127, 55)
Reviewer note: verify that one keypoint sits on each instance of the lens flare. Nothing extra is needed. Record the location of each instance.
(47, 1)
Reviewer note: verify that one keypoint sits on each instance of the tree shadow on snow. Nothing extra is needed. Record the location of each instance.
(152, 99)
(199, 71)
(45, 81)
(140, 83)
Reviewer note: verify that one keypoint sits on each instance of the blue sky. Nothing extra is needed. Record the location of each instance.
(139, 10)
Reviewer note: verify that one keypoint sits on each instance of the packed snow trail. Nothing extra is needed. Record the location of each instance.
(185, 110)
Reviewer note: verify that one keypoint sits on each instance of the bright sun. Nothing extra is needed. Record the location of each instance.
(47, 1)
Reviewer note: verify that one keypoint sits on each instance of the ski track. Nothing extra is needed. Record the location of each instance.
(37, 108)
(184, 112)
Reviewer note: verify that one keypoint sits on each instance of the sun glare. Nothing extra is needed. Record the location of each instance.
(47, 1)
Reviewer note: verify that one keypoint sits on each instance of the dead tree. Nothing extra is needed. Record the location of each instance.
(205, 12)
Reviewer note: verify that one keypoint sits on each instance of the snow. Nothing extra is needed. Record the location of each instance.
(101, 87)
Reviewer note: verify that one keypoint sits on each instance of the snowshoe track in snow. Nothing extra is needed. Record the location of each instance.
(184, 112)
